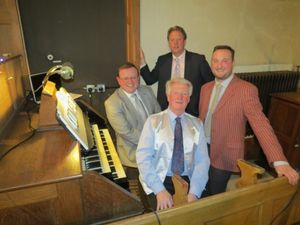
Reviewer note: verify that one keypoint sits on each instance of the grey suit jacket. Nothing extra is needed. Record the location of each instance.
(126, 121)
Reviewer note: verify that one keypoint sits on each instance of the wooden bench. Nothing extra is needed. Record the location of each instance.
(272, 202)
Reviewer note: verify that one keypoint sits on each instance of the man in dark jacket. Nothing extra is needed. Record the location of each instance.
(178, 63)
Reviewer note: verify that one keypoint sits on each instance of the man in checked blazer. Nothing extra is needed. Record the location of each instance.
(191, 66)
(238, 102)
(125, 118)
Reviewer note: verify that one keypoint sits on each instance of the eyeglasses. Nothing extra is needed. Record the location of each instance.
(129, 78)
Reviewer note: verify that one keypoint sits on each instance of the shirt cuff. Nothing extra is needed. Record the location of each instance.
(141, 66)
(158, 188)
(280, 163)
(195, 192)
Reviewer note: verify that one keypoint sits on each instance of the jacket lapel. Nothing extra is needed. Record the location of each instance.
(167, 66)
(126, 101)
(230, 90)
(145, 98)
(187, 62)
(206, 98)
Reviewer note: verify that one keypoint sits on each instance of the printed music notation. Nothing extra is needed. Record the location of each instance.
(67, 107)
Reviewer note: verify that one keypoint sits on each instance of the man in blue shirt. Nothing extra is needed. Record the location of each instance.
(156, 147)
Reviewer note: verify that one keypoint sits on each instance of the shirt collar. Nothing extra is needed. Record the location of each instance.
(130, 94)
(225, 82)
(181, 57)
(173, 116)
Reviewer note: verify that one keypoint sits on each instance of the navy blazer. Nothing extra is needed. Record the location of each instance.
(197, 71)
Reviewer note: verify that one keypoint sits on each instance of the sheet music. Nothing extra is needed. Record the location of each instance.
(70, 114)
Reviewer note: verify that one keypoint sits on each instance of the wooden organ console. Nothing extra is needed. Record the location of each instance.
(42, 181)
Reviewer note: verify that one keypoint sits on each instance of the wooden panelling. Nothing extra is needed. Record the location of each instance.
(42, 182)
(133, 31)
(247, 217)
(27, 196)
(33, 214)
(11, 37)
(284, 116)
(107, 203)
(12, 48)
(69, 205)
(5, 15)
(57, 203)
(256, 204)
(11, 89)
(5, 99)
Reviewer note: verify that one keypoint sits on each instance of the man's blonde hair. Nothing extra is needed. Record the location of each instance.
(178, 80)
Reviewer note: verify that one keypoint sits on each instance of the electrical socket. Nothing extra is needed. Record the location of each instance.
(91, 88)
(100, 88)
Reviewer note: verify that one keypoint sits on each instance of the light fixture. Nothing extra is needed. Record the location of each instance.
(65, 71)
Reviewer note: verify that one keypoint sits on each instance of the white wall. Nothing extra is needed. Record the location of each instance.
(264, 33)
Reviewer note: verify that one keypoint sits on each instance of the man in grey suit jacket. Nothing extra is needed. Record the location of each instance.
(190, 65)
(126, 118)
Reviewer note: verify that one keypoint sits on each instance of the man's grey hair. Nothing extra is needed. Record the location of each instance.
(178, 80)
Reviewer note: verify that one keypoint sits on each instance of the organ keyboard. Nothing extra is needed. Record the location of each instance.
(90, 129)
(104, 158)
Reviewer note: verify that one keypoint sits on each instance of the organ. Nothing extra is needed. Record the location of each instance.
(43, 181)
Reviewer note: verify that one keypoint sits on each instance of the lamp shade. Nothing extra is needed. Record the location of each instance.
(65, 71)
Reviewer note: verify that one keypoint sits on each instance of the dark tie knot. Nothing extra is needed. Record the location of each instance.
(178, 119)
